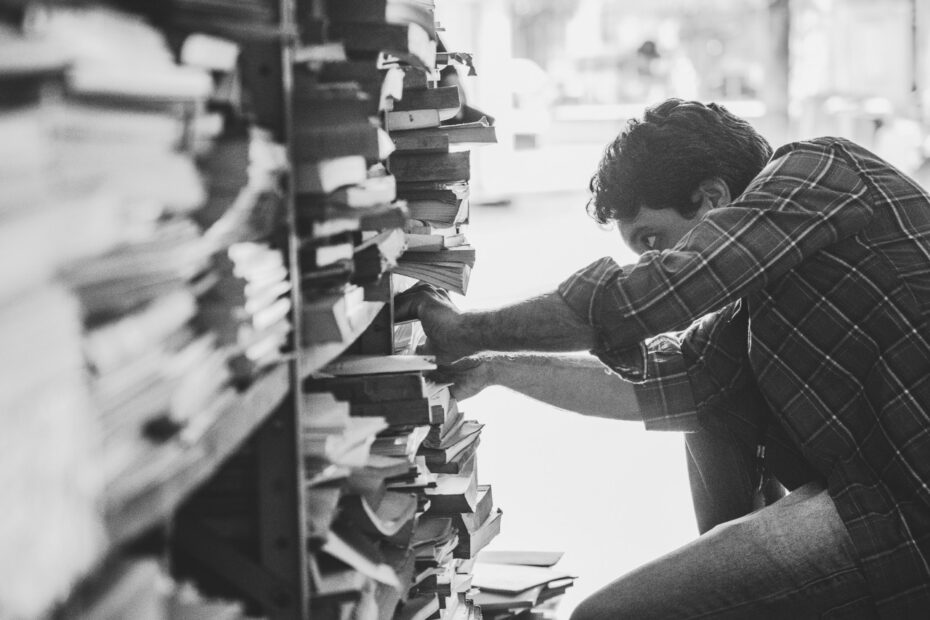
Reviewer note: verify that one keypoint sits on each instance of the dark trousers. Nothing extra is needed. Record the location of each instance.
(724, 479)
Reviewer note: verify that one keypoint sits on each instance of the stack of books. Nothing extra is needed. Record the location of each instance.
(155, 374)
(350, 228)
(394, 459)
(234, 20)
(519, 584)
(51, 530)
(403, 31)
(247, 306)
(432, 167)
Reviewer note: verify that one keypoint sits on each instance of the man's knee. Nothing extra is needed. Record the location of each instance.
(624, 598)
(589, 609)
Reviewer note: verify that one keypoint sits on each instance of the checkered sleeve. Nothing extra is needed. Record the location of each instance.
(803, 201)
(683, 380)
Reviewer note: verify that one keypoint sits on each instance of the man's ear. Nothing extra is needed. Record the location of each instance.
(711, 193)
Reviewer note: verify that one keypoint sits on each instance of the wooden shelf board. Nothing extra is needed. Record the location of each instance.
(193, 464)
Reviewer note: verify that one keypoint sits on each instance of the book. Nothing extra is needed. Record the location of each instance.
(321, 509)
(327, 226)
(449, 268)
(444, 98)
(331, 578)
(451, 446)
(450, 191)
(464, 254)
(368, 75)
(322, 104)
(369, 192)
(452, 276)
(318, 253)
(414, 119)
(433, 143)
(524, 557)
(471, 542)
(395, 512)
(484, 509)
(435, 138)
(328, 175)
(352, 548)
(370, 388)
(491, 601)
(370, 481)
(112, 345)
(362, 137)
(397, 412)
(327, 280)
(453, 494)
(410, 42)
(377, 255)
(323, 410)
(463, 462)
(419, 109)
(332, 317)
(433, 242)
(513, 578)
(418, 608)
(353, 365)
(445, 211)
(391, 11)
(401, 440)
(314, 217)
(347, 446)
(417, 78)
(455, 419)
(440, 167)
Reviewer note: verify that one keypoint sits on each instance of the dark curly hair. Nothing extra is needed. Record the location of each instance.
(659, 161)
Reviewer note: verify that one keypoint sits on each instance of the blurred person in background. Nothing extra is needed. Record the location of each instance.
(799, 286)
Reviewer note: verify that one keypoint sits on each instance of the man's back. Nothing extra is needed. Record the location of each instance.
(839, 347)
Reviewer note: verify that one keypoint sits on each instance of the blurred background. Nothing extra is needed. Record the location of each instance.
(562, 77)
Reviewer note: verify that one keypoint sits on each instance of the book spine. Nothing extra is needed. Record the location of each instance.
(411, 119)
(416, 167)
(397, 413)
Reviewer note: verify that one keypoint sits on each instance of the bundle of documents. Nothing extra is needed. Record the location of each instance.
(247, 306)
(518, 584)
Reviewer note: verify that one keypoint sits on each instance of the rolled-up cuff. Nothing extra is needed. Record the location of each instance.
(661, 381)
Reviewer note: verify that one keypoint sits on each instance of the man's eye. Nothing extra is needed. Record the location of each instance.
(649, 241)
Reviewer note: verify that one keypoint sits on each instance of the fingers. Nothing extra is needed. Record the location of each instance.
(406, 308)
(407, 305)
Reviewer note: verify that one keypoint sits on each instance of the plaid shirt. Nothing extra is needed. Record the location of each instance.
(814, 292)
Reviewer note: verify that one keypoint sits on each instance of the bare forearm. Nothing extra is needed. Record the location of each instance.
(575, 382)
(544, 323)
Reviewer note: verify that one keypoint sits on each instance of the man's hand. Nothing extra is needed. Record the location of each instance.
(468, 376)
(441, 320)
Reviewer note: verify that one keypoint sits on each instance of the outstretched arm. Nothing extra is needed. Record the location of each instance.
(544, 323)
(574, 382)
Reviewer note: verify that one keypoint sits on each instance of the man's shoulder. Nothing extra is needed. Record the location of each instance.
(836, 161)
(822, 144)
(811, 158)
